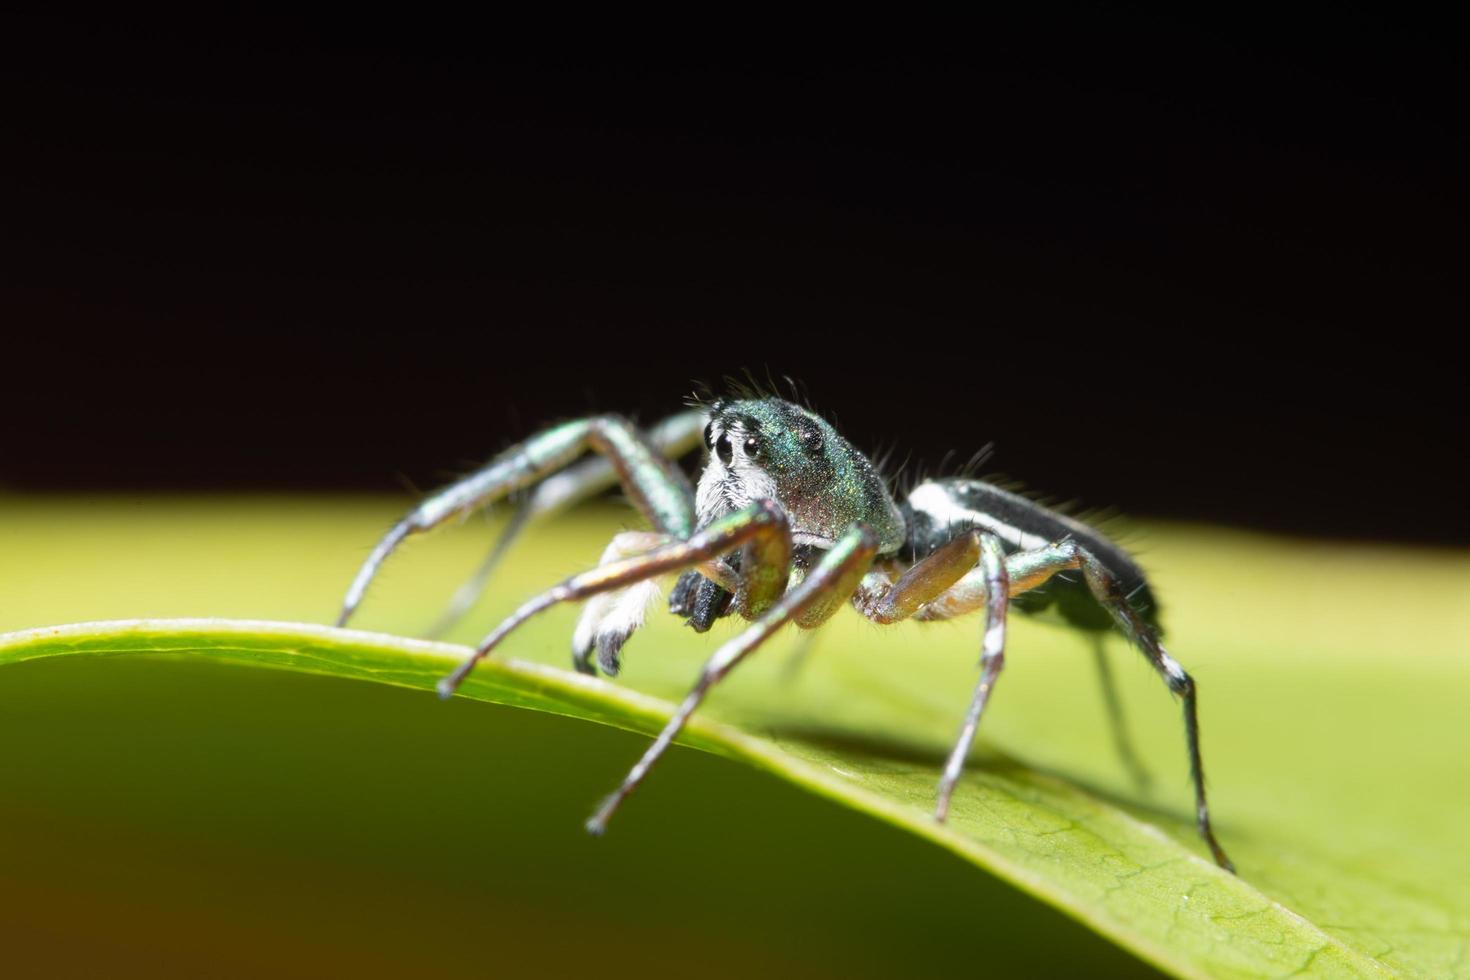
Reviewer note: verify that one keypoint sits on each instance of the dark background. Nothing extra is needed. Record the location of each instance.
(1204, 269)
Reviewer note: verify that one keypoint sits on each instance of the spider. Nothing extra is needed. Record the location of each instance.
(786, 523)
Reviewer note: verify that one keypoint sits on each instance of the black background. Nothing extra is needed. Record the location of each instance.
(1196, 268)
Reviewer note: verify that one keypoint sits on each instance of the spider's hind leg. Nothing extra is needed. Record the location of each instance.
(1023, 571)
(1122, 742)
(1030, 569)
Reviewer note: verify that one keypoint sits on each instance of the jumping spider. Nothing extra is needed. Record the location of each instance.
(789, 521)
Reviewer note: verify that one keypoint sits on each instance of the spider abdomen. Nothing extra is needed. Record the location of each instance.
(939, 510)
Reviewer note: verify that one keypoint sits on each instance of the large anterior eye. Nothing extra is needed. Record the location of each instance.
(723, 449)
(752, 446)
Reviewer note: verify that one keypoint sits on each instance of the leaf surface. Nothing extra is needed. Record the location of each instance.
(1337, 784)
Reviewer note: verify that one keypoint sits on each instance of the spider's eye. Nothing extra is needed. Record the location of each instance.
(709, 436)
(752, 446)
(723, 449)
(811, 441)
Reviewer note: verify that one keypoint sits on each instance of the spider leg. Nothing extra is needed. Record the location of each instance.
(969, 593)
(761, 529)
(674, 437)
(929, 580)
(473, 587)
(800, 656)
(1109, 593)
(819, 595)
(1121, 741)
(1030, 569)
(657, 487)
(885, 601)
(992, 659)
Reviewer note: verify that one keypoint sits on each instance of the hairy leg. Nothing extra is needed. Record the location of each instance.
(653, 482)
(674, 437)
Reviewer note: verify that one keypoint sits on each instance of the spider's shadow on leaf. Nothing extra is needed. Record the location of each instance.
(985, 764)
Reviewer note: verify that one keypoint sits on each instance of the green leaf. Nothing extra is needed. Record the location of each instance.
(1331, 682)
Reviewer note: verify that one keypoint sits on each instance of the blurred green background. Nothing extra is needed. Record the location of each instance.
(170, 818)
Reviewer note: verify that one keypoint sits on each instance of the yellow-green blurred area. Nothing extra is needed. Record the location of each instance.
(163, 817)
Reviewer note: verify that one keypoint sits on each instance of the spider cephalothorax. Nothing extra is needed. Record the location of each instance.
(788, 522)
(770, 449)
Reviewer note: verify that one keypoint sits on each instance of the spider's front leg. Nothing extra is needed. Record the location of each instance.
(673, 437)
(822, 591)
(657, 487)
(761, 529)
